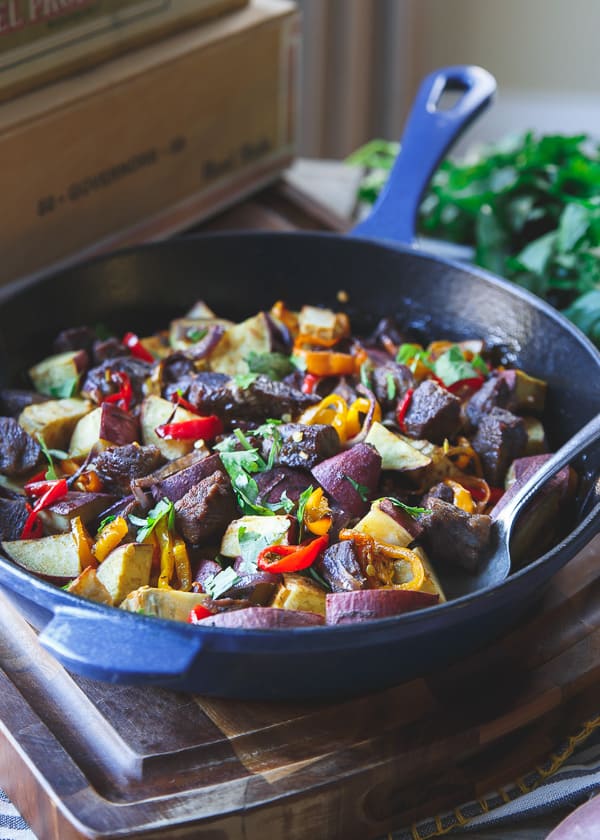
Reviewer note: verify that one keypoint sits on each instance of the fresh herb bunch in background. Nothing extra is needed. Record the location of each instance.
(529, 207)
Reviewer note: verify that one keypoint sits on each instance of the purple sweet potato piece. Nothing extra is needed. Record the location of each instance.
(206, 571)
(399, 515)
(362, 465)
(369, 604)
(263, 618)
(117, 426)
(257, 588)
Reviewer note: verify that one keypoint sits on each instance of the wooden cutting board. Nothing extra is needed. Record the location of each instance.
(86, 759)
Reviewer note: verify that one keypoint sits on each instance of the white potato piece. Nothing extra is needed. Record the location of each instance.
(87, 585)
(55, 556)
(154, 412)
(58, 375)
(164, 603)
(54, 420)
(396, 453)
(276, 528)
(252, 335)
(126, 568)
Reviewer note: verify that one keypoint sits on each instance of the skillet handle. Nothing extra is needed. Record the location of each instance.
(122, 647)
(428, 134)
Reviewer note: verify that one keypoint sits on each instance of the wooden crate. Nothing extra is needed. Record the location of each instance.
(146, 144)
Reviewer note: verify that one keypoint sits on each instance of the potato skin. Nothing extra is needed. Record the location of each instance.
(369, 604)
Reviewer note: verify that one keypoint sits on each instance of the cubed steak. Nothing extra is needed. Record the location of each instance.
(117, 466)
(19, 452)
(206, 509)
(500, 438)
(452, 537)
(301, 445)
(434, 413)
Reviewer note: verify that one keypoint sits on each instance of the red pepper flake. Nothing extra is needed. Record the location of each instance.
(291, 558)
(201, 427)
(136, 348)
(54, 491)
(124, 395)
(403, 407)
(310, 382)
(197, 613)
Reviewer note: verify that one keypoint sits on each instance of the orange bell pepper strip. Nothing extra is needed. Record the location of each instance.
(83, 541)
(462, 497)
(317, 516)
(109, 538)
(167, 556)
(327, 362)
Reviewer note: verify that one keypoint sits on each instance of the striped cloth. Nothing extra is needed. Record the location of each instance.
(567, 778)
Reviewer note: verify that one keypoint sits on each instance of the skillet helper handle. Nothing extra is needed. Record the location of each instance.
(121, 647)
(428, 134)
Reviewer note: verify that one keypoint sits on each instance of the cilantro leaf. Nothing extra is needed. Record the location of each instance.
(164, 508)
(391, 386)
(50, 472)
(104, 522)
(66, 389)
(273, 365)
(244, 380)
(361, 489)
(452, 366)
(412, 511)
(303, 499)
(221, 582)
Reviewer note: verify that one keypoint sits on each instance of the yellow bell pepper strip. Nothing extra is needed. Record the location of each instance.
(47, 492)
(109, 538)
(331, 411)
(167, 557)
(466, 457)
(83, 541)
(327, 362)
(182, 564)
(317, 517)
(462, 497)
(377, 561)
(362, 405)
(291, 558)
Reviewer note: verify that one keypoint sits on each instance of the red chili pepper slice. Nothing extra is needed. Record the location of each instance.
(472, 383)
(291, 558)
(403, 407)
(136, 348)
(310, 382)
(124, 395)
(179, 400)
(38, 488)
(35, 479)
(201, 427)
(55, 491)
(197, 613)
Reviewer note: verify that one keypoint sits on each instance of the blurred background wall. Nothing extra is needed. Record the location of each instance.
(363, 59)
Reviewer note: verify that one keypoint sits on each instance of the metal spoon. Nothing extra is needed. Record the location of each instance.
(498, 564)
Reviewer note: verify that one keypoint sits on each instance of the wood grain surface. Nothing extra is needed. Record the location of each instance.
(82, 759)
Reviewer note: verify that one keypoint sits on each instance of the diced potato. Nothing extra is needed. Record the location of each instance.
(87, 506)
(87, 585)
(396, 453)
(431, 583)
(54, 420)
(163, 603)
(276, 528)
(126, 568)
(186, 332)
(536, 436)
(382, 527)
(200, 310)
(252, 335)
(55, 556)
(85, 434)
(156, 411)
(58, 376)
(299, 593)
(527, 394)
(322, 324)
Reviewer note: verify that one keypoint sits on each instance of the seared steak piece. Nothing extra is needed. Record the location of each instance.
(493, 394)
(301, 445)
(14, 400)
(209, 392)
(75, 338)
(217, 394)
(119, 465)
(273, 483)
(19, 452)
(434, 413)
(390, 382)
(177, 367)
(13, 515)
(339, 566)
(97, 386)
(108, 348)
(206, 509)
(453, 537)
(501, 437)
(176, 485)
(438, 491)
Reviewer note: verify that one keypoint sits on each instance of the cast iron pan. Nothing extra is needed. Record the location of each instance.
(238, 274)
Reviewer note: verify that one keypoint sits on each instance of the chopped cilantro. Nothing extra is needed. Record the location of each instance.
(251, 544)
(317, 577)
(164, 508)
(240, 465)
(479, 365)
(104, 522)
(273, 365)
(244, 380)
(407, 352)
(361, 489)
(194, 334)
(66, 389)
(50, 472)
(391, 386)
(452, 366)
(221, 582)
(299, 363)
(366, 369)
(304, 497)
(412, 511)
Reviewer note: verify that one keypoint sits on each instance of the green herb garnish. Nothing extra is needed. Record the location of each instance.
(391, 386)
(366, 369)
(412, 511)
(221, 582)
(244, 380)
(273, 365)
(303, 499)
(104, 522)
(452, 366)
(361, 489)
(50, 472)
(66, 389)
(164, 508)
(195, 334)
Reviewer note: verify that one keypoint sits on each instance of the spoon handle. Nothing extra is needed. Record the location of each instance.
(586, 436)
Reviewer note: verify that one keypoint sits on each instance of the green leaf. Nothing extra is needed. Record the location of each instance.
(104, 522)
(535, 256)
(479, 365)
(573, 225)
(194, 334)
(251, 544)
(50, 472)
(221, 582)
(273, 365)
(244, 380)
(303, 499)
(164, 508)
(452, 366)
(585, 313)
(391, 386)
(412, 511)
(66, 389)
(361, 489)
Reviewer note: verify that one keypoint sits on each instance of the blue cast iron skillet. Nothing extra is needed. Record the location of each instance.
(238, 274)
